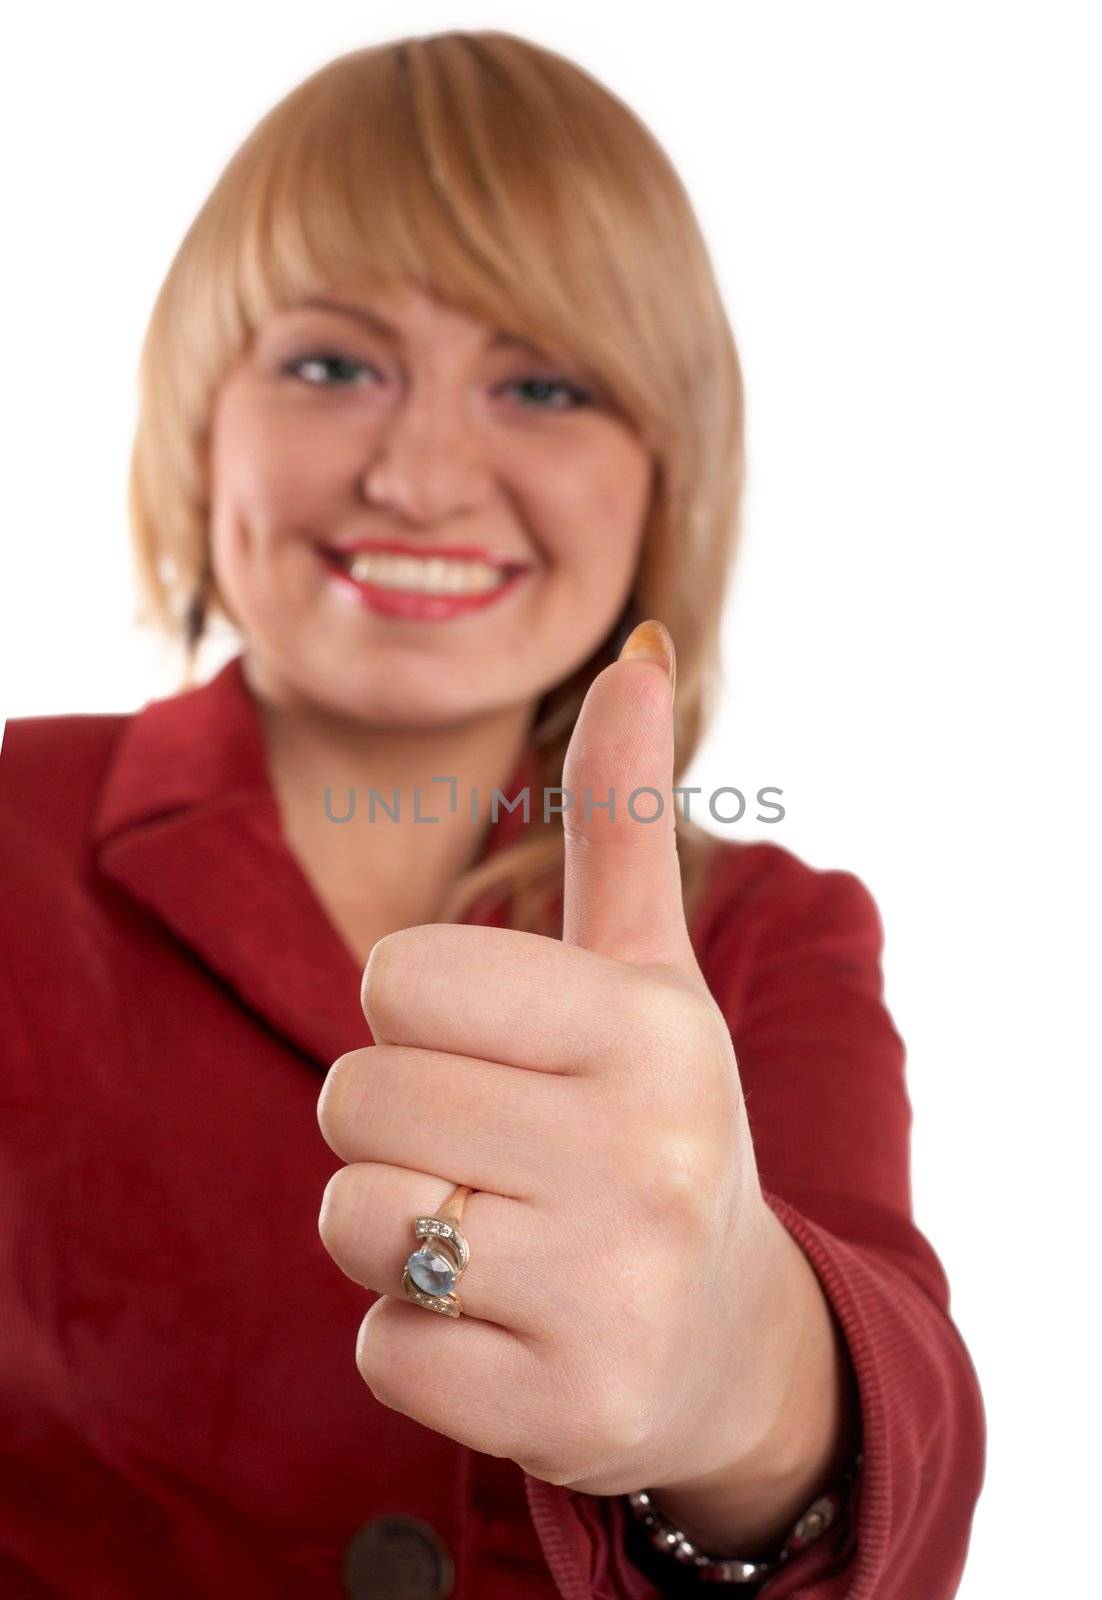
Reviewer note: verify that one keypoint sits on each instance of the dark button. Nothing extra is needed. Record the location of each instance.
(397, 1558)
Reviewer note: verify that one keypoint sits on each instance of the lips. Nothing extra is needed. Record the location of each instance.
(344, 550)
(431, 583)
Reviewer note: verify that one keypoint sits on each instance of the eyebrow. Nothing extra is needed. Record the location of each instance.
(502, 339)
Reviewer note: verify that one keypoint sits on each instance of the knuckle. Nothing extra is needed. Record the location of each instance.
(372, 982)
(615, 1428)
(674, 1021)
(649, 1005)
(337, 1101)
(696, 1018)
(333, 1218)
(625, 1426)
(385, 976)
(599, 1419)
(678, 1168)
(370, 1361)
(683, 1062)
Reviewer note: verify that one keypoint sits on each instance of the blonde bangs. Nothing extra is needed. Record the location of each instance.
(422, 164)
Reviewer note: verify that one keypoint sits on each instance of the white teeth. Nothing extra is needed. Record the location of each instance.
(425, 575)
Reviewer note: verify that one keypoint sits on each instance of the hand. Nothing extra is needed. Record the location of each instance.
(614, 1307)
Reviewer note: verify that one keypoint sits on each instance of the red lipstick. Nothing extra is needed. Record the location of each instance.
(415, 604)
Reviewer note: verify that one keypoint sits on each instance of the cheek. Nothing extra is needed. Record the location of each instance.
(270, 474)
(590, 516)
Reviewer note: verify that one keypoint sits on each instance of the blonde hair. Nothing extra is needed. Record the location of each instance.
(502, 178)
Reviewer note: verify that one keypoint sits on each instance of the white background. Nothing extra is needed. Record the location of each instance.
(902, 204)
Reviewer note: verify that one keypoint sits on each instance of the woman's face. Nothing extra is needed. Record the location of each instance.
(514, 494)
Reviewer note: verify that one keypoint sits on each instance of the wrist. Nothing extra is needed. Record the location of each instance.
(807, 1431)
(832, 1509)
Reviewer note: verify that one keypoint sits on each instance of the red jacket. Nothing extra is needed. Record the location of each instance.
(180, 1410)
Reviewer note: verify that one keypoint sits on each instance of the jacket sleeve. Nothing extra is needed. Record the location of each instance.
(798, 974)
(794, 963)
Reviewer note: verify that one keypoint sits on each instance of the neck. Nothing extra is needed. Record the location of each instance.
(325, 766)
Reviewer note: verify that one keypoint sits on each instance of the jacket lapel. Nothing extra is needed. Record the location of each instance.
(189, 826)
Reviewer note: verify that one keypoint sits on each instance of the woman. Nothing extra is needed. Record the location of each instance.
(441, 410)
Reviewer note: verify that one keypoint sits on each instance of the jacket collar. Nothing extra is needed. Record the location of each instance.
(188, 825)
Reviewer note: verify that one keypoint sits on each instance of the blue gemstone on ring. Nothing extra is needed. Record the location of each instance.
(431, 1271)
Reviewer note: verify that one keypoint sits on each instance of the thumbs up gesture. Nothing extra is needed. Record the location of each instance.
(618, 1300)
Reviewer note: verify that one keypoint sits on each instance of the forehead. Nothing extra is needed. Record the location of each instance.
(406, 317)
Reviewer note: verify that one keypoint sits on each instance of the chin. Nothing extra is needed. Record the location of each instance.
(373, 697)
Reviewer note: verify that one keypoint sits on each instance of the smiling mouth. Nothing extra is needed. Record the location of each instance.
(428, 575)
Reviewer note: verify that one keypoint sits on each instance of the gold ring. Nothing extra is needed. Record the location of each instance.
(436, 1266)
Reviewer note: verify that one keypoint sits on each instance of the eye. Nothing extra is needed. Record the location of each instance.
(539, 387)
(312, 367)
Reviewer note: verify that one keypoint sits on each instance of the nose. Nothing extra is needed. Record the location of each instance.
(426, 463)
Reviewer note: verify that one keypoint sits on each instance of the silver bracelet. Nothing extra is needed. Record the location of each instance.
(671, 1540)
